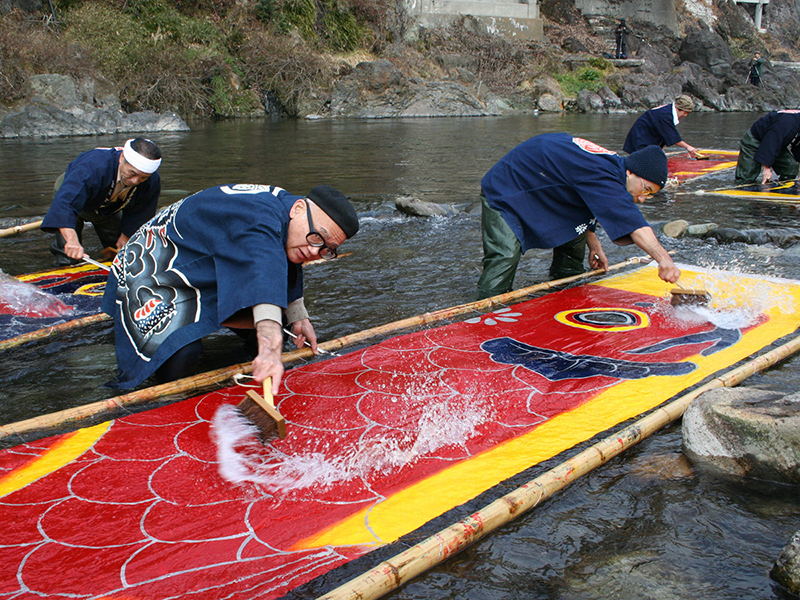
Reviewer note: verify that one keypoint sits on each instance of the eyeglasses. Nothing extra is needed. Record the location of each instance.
(315, 238)
(647, 190)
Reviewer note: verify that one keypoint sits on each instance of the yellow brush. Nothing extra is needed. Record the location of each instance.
(262, 413)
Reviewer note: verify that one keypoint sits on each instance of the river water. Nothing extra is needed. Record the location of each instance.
(647, 525)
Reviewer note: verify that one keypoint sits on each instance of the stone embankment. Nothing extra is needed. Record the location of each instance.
(59, 105)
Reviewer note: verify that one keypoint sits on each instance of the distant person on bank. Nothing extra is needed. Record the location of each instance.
(756, 69)
(621, 38)
(228, 256)
(551, 191)
(659, 126)
(770, 149)
(114, 189)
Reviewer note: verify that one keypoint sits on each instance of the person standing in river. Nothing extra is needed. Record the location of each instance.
(551, 191)
(659, 126)
(771, 147)
(228, 256)
(114, 189)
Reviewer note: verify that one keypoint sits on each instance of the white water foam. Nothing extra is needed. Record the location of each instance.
(243, 459)
(736, 302)
(25, 298)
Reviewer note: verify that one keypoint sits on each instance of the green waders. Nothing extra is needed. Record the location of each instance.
(502, 251)
(749, 171)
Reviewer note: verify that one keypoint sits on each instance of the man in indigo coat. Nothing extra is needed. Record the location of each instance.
(114, 189)
(659, 126)
(230, 256)
(770, 148)
(551, 191)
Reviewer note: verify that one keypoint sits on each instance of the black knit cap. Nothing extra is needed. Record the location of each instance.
(336, 205)
(649, 163)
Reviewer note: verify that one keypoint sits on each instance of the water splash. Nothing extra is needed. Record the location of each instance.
(736, 302)
(243, 459)
(25, 299)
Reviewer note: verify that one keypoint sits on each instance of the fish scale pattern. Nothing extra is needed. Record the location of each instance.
(149, 509)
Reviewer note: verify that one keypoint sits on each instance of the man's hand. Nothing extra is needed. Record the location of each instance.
(766, 174)
(597, 258)
(109, 253)
(268, 363)
(304, 331)
(667, 270)
(693, 153)
(647, 241)
(72, 246)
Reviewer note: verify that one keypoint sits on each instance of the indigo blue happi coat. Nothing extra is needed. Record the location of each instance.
(775, 132)
(552, 188)
(196, 264)
(656, 127)
(87, 187)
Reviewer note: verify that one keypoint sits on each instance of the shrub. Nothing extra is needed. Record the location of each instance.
(287, 69)
(586, 78)
(335, 25)
(151, 72)
(28, 48)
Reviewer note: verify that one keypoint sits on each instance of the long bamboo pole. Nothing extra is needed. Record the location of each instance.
(396, 571)
(40, 334)
(204, 382)
(19, 228)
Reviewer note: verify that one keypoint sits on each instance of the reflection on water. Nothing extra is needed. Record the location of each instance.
(646, 525)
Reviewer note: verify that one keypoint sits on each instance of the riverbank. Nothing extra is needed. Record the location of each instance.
(368, 60)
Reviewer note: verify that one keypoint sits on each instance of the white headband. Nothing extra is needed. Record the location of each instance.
(139, 162)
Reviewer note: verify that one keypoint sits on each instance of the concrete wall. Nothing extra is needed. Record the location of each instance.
(515, 20)
(659, 12)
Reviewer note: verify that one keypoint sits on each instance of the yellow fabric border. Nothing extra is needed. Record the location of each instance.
(63, 452)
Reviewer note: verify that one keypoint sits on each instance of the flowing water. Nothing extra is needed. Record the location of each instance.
(647, 525)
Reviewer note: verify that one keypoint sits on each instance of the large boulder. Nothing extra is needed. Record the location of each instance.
(377, 89)
(590, 102)
(549, 103)
(610, 100)
(708, 50)
(745, 432)
(419, 208)
(786, 569)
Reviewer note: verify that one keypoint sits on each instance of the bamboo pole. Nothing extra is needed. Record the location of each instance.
(205, 382)
(48, 331)
(396, 571)
(19, 228)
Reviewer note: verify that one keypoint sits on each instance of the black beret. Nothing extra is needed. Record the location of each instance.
(336, 205)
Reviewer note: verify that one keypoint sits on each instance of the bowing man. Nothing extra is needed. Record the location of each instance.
(230, 256)
(114, 189)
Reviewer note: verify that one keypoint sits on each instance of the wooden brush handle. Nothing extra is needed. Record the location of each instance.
(267, 383)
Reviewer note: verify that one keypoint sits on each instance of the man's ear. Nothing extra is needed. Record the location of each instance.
(298, 208)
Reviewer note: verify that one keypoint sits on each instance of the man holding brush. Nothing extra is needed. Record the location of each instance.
(551, 192)
(114, 189)
(228, 256)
